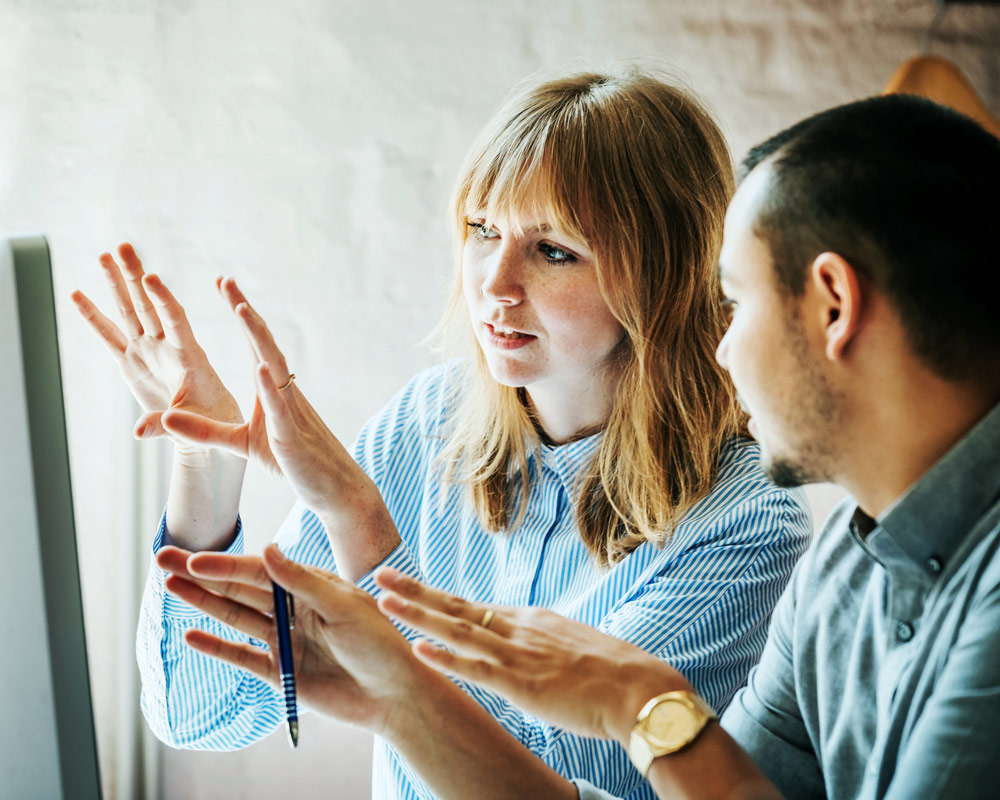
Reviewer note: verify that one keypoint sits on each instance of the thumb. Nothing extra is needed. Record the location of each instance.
(149, 426)
(318, 588)
(200, 430)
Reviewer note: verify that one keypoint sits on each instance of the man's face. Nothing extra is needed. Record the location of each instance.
(775, 361)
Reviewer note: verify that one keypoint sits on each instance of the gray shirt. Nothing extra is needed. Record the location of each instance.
(881, 673)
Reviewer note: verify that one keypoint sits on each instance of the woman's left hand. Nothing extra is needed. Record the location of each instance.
(286, 435)
(350, 661)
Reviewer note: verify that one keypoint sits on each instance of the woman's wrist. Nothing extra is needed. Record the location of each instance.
(362, 536)
(414, 705)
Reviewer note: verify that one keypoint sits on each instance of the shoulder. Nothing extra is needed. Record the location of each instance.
(426, 401)
(834, 550)
(834, 566)
(742, 497)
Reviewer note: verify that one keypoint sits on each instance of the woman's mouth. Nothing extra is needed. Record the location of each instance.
(505, 338)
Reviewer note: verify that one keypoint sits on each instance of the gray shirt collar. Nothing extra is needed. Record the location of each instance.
(920, 533)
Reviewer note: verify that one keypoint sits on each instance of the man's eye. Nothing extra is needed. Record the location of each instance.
(555, 255)
(482, 231)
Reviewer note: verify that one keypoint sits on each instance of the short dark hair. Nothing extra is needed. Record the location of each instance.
(909, 193)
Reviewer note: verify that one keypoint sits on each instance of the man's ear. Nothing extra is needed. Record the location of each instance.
(838, 293)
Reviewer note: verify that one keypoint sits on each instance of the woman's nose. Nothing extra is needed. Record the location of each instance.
(722, 351)
(503, 281)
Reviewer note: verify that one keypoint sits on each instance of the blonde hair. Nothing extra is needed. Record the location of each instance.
(640, 171)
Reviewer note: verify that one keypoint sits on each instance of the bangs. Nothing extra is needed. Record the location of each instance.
(530, 169)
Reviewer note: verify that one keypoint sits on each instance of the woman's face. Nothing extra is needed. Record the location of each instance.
(536, 308)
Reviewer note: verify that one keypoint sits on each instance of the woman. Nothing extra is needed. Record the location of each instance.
(585, 457)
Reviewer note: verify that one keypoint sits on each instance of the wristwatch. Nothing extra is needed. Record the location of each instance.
(666, 724)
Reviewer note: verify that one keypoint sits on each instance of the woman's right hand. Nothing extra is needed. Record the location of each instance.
(159, 357)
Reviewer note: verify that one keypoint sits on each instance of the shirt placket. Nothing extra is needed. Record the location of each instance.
(527, 545)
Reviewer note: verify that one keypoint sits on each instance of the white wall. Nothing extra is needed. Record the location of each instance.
(308, 148)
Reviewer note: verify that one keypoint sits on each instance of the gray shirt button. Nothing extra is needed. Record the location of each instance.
(934, 564)
(904, 631)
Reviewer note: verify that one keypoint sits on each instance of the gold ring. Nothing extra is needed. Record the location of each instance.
(289, 383)
(487, 617)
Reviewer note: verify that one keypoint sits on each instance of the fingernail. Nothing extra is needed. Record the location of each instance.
(276, 552)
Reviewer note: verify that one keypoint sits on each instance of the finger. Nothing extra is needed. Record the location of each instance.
(120, 295)
(321, 590)
(231, 612)
(449, 605)
(484, 672)
(174, 559)
(100, 324)
(132, 272)
(249, 592)
(463, 634)
(149, 426)
(197, 429)
(234, 296)
(244, 656)
(176, 327)
(230, 292)
(272, 400)
(247, 570)
(245, 594)
(262, 341)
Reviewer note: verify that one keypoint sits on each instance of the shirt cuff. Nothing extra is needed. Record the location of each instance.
(401, 559)
(173, 606)
(587, 791)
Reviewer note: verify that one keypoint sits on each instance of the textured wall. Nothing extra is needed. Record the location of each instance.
(308, 148)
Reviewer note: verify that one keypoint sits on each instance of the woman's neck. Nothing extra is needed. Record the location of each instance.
(566, 413)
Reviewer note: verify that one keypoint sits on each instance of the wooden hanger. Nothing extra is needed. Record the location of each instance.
(941, 81)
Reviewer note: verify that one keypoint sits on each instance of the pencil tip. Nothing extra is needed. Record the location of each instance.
(293, 734)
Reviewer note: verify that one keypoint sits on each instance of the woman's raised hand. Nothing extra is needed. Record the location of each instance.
(350, 661)
(160, 360)
(286, 435)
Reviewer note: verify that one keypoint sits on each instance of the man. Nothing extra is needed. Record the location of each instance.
(861, 260)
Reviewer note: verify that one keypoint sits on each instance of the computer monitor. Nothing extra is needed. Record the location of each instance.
(47, 743)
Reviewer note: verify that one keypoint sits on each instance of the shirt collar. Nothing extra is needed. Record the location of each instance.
(928, 524)
(566, 460)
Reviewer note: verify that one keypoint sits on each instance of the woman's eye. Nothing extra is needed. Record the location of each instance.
(482, 231)
(729, 305)
(555, 255)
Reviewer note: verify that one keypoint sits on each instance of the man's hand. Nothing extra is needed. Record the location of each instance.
(556, 668)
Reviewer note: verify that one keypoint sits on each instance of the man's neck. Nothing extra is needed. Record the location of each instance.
(901, 430)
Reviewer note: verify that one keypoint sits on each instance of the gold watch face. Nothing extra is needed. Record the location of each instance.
(672, 723)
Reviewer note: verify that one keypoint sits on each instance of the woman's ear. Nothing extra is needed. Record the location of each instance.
(838, 293)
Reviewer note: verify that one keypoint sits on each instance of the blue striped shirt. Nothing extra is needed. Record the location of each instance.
(702, 601)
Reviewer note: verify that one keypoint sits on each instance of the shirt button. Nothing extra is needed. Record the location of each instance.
(934, 564)
(904, 631)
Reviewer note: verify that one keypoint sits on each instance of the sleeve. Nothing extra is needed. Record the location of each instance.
(587, 791)
(193, 701)
(765, 719)
(196, 702)
(952, 749)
